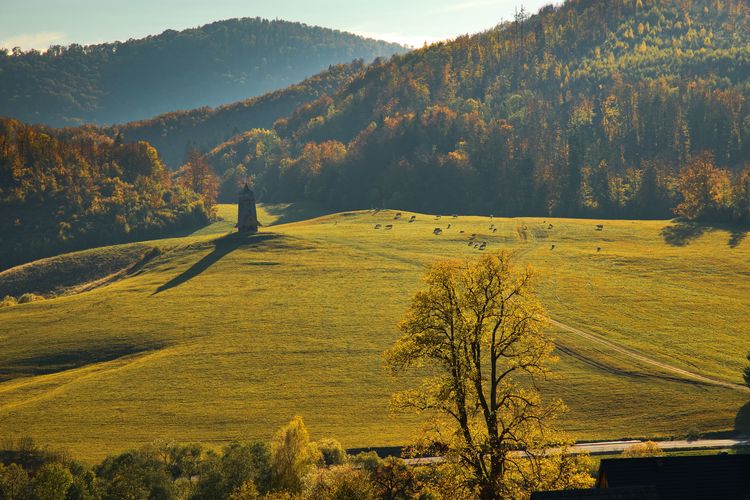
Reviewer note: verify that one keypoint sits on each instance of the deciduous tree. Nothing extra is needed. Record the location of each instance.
(478, 327)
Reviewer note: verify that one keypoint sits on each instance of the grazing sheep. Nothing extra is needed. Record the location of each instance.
(483, 246)
(550, 226)
(600, 227)
(389, 226)
(471, 243)
(437, 231)
(461, 231)
(437, 217)
(378, 226)
(598, 249)
(552, 247)
(494, 229)
(449, 225)
(454, 216)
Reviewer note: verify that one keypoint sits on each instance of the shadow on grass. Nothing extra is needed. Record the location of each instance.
(293, 212)
(56, 362)
(742, 421)
(222, 247)
(736, 236)
(681, 232)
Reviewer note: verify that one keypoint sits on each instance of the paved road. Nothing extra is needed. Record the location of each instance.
(615, 447)
(631, 353)
(610, 447)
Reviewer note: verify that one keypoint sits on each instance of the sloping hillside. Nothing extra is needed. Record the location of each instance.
(221, 337)
(218, 63)
(591, 108)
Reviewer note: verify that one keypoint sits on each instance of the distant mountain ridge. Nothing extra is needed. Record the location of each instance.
(215, 64)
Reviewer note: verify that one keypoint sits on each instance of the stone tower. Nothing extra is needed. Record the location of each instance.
(247, 216)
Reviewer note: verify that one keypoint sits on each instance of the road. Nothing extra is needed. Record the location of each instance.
(612, 447)
(615, 447)
(643, 358)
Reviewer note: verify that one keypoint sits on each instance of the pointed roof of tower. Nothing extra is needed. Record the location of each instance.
(247, 191)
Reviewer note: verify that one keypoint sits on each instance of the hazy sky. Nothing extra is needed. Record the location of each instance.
(40, 23)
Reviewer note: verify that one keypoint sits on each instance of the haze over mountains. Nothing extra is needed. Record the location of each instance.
(215, 64)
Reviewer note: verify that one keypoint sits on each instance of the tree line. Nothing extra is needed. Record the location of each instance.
(62, 190)
(590, 109)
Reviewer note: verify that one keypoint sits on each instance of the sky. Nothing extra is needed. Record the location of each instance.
(41, 23)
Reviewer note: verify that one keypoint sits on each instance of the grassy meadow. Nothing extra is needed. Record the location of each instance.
(219, 338)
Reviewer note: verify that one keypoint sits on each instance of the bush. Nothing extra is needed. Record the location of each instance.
(394, 479)
(340, 482)
(693, 434)
(14, 481)
(51, 482)
(645, 449)
(29, 297)
(8, 301)
(333, 452)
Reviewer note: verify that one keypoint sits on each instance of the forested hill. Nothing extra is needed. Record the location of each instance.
(591, 108)
(215, 64)
(174, 134)
(62, 190)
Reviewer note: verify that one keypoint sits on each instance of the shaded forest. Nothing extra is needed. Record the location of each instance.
(606, 108)
(62, 190)
(211, 65)
(175, 134)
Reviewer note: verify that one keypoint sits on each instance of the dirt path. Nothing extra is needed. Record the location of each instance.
(643, 358)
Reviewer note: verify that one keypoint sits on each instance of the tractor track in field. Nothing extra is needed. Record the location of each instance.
(643, 358)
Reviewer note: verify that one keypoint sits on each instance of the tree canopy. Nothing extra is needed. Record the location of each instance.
(69, 189)
(478, 331)
(590, 108)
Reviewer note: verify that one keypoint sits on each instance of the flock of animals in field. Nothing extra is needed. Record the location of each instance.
(474, 241)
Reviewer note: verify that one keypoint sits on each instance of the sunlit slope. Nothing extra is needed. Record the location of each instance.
(216, 339)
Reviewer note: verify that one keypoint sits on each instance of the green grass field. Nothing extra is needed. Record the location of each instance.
(217, 338)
